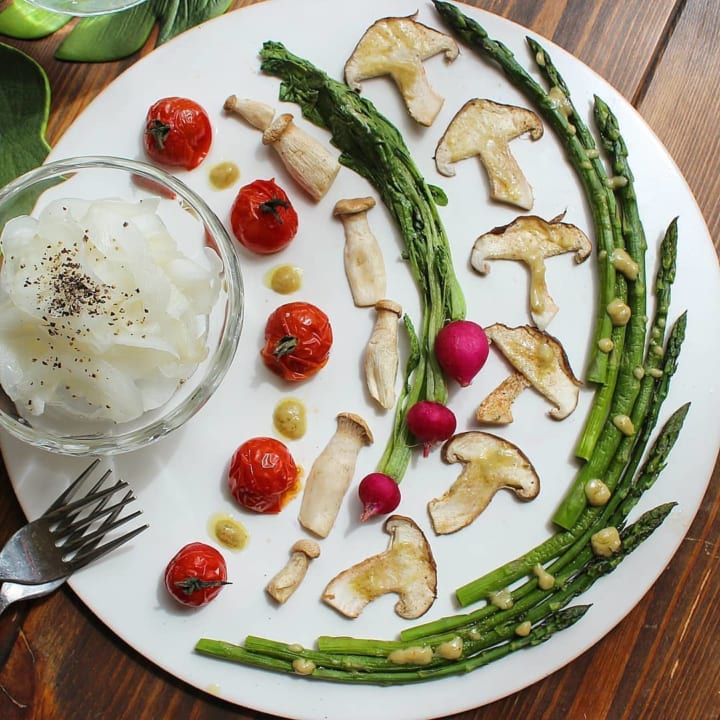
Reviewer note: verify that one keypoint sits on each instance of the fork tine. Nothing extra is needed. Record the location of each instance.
(65, 526)
(70, 490)
(70, 517)
(83, 558)
(84, 522)
(60, 512)
(97, 535)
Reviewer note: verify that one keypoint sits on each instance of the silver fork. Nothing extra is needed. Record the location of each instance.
(12, 592)
(67, 536)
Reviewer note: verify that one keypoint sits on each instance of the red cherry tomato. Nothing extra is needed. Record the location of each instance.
(177, 132)
(298, 338)
(196, 574)
(263, 218)
(263, 476)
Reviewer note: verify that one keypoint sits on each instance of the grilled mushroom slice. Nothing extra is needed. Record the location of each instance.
(531, 240)
(490, 463)
(485, 128)
(397, 46)
(542, 360)
(407, 568)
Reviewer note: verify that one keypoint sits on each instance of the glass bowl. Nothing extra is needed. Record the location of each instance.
(83, 8)
(119, 339)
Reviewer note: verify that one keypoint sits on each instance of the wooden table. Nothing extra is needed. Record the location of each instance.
(58, 662)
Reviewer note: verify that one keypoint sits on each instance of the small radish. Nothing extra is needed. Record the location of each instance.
(461, 348)
(379, 494)
(431, 423)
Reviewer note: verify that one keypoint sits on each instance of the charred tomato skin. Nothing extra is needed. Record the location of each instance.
(196, 574)
(177, 132)
(298, 339)
(262, 217)
(263, 476)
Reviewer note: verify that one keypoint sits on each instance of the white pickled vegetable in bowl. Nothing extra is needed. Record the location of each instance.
(101, 315)
(121, 304)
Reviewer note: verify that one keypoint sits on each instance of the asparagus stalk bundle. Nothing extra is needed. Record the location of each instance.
(627, 395)
(638, 387)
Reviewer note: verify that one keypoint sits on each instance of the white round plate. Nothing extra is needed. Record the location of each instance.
(180, 481)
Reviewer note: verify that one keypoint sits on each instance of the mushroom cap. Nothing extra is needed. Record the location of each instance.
(352, 206)
(389, 305)
(276, 129)
(395, 42)
(528, 238)
(354, 424)
(307, 547)
(542, 360)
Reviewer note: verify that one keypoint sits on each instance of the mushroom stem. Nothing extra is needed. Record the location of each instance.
(287, 580)
(382, 357)
(364, 264)
(305, 158)
(331, 474)
(258, 114)
(496, 408)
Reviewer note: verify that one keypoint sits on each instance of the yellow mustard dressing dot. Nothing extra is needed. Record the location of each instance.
(224, 174)
(290, 418)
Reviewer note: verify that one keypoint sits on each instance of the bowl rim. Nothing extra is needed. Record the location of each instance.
(134, 439)
(83, 11)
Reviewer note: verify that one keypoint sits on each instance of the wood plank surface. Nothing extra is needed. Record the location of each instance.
(58, 662)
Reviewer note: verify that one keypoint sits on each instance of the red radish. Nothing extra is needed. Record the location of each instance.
(379, 494)
(431, 423)
(461, 348)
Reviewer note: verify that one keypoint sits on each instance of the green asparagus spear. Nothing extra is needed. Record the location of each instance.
(372, 662)
(374, 148)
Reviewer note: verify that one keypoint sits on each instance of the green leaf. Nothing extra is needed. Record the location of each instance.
(109, 37)
(27, 22)
(24, 109)
(118, 35)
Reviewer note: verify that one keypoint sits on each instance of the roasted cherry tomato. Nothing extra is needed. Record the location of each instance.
(298, 338)
(177, 132)
(262, 217)
(263, 476)
(196, 574)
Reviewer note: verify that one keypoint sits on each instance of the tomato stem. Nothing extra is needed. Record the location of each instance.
(285, 346)
(159, 131)
(192, 584)
(270, 207)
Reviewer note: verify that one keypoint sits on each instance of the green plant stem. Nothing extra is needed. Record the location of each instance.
(371, 146)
